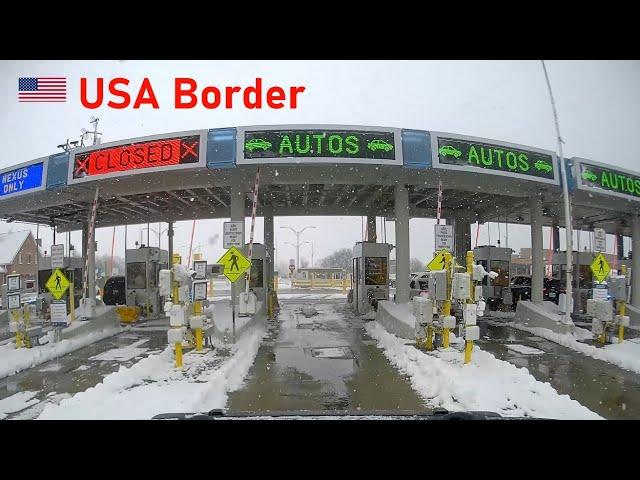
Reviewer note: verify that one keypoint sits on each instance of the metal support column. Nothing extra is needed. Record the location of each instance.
(461, 238)
(537, 253)
(556, 237)
(635, 262)
(170, 242)
(371, 228)
(268, 242)
(237, 215)
(401, 201)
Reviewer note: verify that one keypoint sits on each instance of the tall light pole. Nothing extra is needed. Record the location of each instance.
(567, 206)
(298, 232)
(310, 243)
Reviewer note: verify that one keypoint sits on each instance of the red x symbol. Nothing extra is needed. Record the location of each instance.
(189, 149)
(82, 165)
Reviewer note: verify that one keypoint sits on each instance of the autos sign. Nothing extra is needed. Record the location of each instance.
(609, 179)
(339, 143)
(469, 153)
(152, 153)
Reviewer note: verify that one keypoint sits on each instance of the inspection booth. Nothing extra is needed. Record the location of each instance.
(495, 259)
(143, 267)
(260, 267)
(370, 275)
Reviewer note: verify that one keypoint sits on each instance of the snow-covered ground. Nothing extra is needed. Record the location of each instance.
(485, 384)
(153, 386)
(14, 360)
(17, 402)
(625, 354)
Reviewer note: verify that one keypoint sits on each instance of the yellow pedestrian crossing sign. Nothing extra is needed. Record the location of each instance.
(57, 284)
(439, 261)
(600, 267)
(235, 264)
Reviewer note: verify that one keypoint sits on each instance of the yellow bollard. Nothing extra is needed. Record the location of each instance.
(178, 354)
(198, 339)
(468, 348)
(429, 339)
(18, 339)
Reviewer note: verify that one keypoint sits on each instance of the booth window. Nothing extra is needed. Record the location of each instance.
(137, 275)
(375, 271)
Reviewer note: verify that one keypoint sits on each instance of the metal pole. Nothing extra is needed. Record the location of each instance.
(567, 206)
(298, 253)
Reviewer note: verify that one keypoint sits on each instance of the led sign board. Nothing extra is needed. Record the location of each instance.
(21, 179)
(499, 158)
(138, 156)
(319, 144)
(608, 180)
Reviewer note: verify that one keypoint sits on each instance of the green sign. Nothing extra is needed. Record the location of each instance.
(609, 179)
(319, 143)
(487, 156)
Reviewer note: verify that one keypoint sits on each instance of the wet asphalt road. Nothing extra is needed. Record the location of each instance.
(322, 361)
(606, 389)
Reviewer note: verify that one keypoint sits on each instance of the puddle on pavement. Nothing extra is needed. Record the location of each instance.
(333, 366)
(604, 388)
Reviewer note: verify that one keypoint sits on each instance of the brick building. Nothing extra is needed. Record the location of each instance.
(19, 254)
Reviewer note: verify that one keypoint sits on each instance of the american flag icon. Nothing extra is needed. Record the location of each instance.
(42, 89)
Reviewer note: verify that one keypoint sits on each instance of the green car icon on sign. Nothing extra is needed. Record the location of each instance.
(257, 144)
(590, 176)
(449, 150)
(376, 144)
(543, 166)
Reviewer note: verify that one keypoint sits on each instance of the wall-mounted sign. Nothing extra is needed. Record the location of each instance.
(138, 156)
(57, 256)
(599, 240)
(58, 311)
(318, 144)
(456, 152)
(233, 234)
(604, 179)
(22, 179)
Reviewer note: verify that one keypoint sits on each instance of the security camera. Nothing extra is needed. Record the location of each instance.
(192, 274)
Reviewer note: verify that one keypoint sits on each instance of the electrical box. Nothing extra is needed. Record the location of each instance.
(472, 333)
(480, 308)
(604, 310)
(197, 321)
(622, 320)
(461, 286)
(164, 283)
(564, 302)
(370, 274)
(597, 327)
(478, 292)
(470, 313)
(591, 307)
(175, 335)
(422, 310)
(247, 304)
(448, 321)
(177, 316)
(478, 273)
(438, 285)
(618, 287)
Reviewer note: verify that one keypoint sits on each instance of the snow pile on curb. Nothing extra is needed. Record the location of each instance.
(14, 360)
(624, 355)
(17, 402)
(153, 386)
(486, 384)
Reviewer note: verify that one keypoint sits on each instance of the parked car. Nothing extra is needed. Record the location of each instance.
(419, 281)
(553, 287)
(520, 288)
(114, 291)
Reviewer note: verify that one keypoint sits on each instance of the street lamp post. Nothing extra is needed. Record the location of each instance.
(298, 232)
(310, 243)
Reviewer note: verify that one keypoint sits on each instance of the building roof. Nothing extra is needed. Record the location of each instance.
(10, 244)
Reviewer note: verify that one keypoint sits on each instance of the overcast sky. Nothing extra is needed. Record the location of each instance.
(598, 103)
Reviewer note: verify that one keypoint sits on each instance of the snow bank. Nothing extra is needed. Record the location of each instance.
(153, 386)
(17, 402)
(486, 384)
(14, 360)
(625, 354)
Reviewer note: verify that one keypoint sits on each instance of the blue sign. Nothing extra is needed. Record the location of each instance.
(21, 179)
